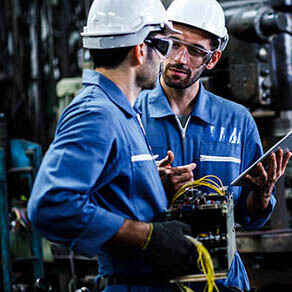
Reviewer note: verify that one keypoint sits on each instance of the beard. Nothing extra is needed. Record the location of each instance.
(146, 80)
(147, 77)
(177, 82)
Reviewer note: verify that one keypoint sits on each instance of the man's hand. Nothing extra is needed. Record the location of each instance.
(168, 251)
(174, 177)
(163, 245)
(264, 181)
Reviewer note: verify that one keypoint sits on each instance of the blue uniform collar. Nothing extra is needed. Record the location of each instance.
(110, 88)
(160, 107)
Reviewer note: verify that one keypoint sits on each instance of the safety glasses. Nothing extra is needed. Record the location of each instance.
(193, 50)
(163, 46)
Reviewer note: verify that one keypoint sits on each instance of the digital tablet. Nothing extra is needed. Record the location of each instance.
(285, 143)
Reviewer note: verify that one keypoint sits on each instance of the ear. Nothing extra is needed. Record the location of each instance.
(214, 60)
(139, 54)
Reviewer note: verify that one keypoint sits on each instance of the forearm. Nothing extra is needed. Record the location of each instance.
(131, 234)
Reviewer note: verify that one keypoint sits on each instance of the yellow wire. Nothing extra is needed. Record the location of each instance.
(204, 181)
(206, 178)
(205, 264)
(183, 288)
(210, 183)
(213, 182)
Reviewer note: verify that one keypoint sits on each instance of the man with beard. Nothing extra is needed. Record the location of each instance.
(195, 129)
(98, 187)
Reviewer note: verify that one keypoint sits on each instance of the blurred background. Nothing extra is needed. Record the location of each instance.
(41, 63)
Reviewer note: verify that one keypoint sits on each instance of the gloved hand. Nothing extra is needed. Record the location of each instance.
(168, 251)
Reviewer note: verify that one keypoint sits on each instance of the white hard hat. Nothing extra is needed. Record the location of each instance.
(123, 23)
(207, 15)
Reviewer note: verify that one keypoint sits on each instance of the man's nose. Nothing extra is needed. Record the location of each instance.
(182, 56)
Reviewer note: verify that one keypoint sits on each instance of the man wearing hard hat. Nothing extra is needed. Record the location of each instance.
(98, 187)
(205, 132)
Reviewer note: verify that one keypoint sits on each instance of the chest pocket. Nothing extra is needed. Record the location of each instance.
(220, 153)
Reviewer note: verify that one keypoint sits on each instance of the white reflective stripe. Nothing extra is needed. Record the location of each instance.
(141, 157)
(219, 158)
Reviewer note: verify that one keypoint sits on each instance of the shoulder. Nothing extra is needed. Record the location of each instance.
(88, 110)
(94, 99)
(226, 107)
(229, 114)
(226, 104)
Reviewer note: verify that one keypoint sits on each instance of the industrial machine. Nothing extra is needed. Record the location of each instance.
(211, 217)
(256, 67)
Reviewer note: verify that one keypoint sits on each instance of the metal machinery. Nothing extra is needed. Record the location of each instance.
(18, 167)
(211, 217)
(256, 66)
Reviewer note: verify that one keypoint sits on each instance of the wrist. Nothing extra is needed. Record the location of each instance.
(257, 202)
(132, 234)
(148, 237)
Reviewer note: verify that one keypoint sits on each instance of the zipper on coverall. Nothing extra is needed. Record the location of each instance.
(183, 131)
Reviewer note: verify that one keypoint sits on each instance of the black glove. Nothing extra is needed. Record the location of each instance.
(169, 252)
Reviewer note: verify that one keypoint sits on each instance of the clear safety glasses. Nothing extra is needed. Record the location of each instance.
(200, 54)
(163, 46)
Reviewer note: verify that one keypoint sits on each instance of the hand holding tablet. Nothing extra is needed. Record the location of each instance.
(285, 144)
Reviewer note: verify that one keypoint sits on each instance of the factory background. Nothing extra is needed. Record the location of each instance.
(41, 62)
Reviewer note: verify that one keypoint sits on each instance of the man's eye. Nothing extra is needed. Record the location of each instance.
(175, 45)
(195, 52)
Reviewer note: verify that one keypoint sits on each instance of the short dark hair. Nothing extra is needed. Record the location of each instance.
(109, 58)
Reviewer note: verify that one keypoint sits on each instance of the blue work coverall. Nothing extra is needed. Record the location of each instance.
(98, 171)
(220, 136)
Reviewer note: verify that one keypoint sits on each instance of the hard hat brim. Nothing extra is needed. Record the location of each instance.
(125, 40)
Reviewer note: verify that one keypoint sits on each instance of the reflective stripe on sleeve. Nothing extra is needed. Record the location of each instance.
(141, 157)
